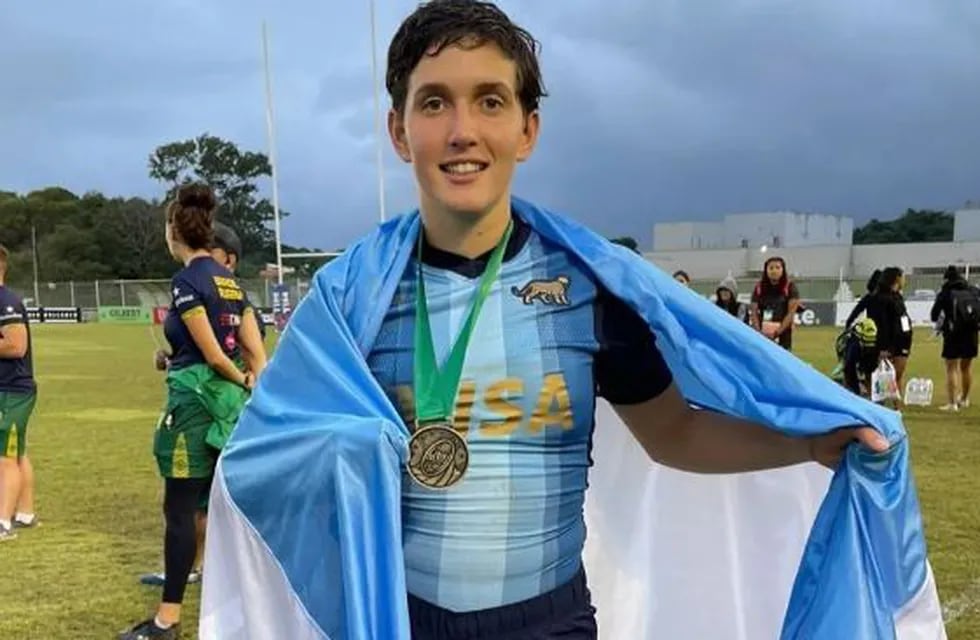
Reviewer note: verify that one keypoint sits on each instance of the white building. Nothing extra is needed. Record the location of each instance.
(688, 235)
(775, 229)
(855, 261)
(967, 224)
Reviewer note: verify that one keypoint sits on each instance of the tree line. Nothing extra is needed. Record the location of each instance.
(93, 236)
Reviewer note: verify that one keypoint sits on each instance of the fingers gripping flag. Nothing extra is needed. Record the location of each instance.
(304, 535)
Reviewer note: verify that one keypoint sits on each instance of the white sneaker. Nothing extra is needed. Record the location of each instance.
(949, 407)
(965, 404)
(7, 533)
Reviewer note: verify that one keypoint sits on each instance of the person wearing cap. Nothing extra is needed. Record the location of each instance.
(227, 250)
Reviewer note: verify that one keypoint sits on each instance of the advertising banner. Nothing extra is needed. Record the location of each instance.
(125, 315)
(57, 315)
(816, 314)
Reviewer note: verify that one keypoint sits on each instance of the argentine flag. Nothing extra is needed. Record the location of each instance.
(304, 533)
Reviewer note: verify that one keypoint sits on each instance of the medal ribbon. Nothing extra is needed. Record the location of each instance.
(435, 389)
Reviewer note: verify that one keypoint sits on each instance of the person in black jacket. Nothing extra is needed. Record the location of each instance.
(959, 340)
(775, 302)
(862, 304)
(887, 309)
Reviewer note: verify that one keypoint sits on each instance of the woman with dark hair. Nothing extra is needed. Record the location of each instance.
(959, 328)
(726, 298)
(775, 302)
(887, 309)
(681, 276)
(213, 336)
(862, 305)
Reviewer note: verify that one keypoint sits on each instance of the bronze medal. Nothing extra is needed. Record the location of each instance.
(438, 456)
(438, 453)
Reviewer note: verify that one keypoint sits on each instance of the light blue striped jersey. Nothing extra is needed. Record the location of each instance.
(513, 527)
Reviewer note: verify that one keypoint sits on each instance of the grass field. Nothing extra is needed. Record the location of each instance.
(99, 493)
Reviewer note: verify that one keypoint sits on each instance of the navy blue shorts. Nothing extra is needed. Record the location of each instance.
(565, 613)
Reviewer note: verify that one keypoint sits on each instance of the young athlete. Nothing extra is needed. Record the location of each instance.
(494, 337)
(859, 356)
(960, 335)
(226, 249)
(504, 336)
(18, 393)
(210, 328)
(887, 309)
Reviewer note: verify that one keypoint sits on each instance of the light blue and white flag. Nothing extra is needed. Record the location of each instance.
(304, 534)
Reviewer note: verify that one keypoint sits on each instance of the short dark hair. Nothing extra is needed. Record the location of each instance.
(225, 238)
(438, 24)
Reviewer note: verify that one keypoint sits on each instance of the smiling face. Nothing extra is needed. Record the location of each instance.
(463, 130)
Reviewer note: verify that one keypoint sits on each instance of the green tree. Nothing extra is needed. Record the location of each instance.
(233, 174)
(131, 235)
(913, 226)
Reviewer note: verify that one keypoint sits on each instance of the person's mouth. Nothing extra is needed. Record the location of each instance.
(463, 167)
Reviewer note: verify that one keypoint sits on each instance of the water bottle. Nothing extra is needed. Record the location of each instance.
(912, 391)
(918, 391)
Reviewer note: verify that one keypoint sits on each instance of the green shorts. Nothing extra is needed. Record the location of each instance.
(16, 408)
(180, 443)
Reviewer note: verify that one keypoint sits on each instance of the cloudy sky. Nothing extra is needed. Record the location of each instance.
(658, 110)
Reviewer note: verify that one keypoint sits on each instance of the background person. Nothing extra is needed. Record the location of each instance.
(862, 305)
(959, 335)
(726, 297)
(887, 309)
(775, 301)
(18, 394)
(208, 318)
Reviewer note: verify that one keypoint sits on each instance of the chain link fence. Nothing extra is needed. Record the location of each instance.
(155, 293)
(134, 293)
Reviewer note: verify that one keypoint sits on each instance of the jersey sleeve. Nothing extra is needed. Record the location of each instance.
(187, 298)
(629, 367)
(794, 292)
(12, 310)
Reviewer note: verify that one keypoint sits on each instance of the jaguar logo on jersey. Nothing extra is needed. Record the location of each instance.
(546, 291)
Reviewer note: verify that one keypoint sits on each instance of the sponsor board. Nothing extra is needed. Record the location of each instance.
(816, 314)
(125, 315)
(54, 315)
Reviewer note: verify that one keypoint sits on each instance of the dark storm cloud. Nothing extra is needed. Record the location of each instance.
(658, 111)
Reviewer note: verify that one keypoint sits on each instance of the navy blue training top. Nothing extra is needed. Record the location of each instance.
(204, 287)
(16, 374)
